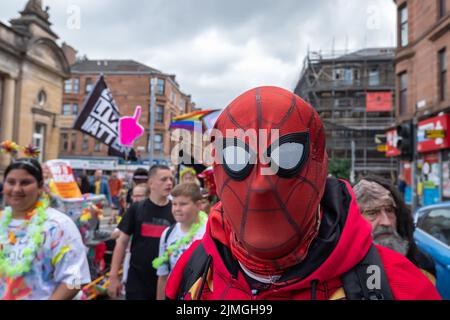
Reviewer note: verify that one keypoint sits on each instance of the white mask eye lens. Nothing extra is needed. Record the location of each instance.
(236, 158)
(288, 155)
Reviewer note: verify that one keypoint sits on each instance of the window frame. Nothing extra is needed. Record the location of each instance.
(403, 39)
(402, 92)
(442, 74)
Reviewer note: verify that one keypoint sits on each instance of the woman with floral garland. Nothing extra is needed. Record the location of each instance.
(41, 252)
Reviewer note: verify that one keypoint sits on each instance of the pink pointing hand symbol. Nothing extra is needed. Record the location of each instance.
(130, 129)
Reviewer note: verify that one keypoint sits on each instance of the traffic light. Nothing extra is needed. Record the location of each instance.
(405, 140)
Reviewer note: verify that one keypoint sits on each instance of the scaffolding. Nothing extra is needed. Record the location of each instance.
(335, 84)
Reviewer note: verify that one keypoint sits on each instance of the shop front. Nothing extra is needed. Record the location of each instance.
(433, 160)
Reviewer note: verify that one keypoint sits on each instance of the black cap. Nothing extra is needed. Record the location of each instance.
(140, 174)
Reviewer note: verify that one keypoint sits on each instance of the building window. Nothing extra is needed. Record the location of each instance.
(68, 86)
(160, 114)
(442, 8)
(64, 142)
(403, 96)
(76, 85)
(374, 77)
(97, 146)
(39, 139)
(403, 27)
(160, 87)
(74, 142)
(42, 98)
(75, 109)
(85, 145)
(89, 85)
(66, 109)
(158, 142)
(174, 98)
(181, 105)
(345, 76)
(442, 57)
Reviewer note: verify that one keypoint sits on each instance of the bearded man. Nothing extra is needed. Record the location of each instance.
(392, 222)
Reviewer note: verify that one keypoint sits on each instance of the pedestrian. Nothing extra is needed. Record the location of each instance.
(391, 220)
(100, 186)
(205, 202)
(401, 184)
(144, 221)
(282, 230)
(189, 175)
(84, 185)
(115, 187)
(140, 175)
(190, 226)
(42, 256)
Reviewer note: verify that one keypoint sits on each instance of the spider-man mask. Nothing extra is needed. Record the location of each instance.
(270, 185)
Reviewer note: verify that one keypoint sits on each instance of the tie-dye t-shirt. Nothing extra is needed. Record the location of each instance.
(60, 259)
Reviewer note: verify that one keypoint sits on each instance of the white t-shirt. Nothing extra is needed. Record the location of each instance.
(174, 236)
(61, 258)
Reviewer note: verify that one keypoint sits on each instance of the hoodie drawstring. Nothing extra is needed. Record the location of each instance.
(314, 289)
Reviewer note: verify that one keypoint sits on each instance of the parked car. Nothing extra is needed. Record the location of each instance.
(432, 235)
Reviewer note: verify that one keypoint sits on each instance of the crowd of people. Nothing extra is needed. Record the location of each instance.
(294, 234)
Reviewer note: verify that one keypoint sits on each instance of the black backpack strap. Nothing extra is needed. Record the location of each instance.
(367, 280)
(167, 238)
(169, 232)
(196, 268)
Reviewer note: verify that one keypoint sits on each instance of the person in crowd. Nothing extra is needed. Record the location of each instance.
(282, 230)
(144, 221)
(100, 185)
(391, 220)
(401, 185)
(83, 184)
(190, 226)
(189, 175)
(205, 202)
(115, 187)
(140, 193)
(42, 255)
(140, 176)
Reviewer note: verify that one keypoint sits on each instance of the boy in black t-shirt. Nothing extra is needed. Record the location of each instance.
(145, 221)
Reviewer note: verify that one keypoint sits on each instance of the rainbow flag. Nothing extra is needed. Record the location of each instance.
(194, 121)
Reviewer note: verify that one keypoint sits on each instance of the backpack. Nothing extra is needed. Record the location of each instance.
(167, 238)
(355, 282)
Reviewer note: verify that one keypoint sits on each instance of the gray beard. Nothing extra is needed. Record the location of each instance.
(392, 241)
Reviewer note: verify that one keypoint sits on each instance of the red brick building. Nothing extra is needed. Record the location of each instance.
(129, 82)
(423, 86)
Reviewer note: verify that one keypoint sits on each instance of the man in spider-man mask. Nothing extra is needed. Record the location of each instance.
(283, 230)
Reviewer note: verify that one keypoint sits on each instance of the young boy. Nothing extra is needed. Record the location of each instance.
(190, 226)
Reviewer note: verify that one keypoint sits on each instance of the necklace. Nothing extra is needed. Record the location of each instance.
(158, 262)
(34, 233)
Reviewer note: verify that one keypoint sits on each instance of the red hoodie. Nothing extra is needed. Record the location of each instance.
(406, 281)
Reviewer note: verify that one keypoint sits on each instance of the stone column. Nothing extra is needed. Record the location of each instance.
(7, 117)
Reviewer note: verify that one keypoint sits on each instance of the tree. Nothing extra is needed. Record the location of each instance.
(340, 168)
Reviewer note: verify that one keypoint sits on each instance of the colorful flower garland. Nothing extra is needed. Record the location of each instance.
(34, 232)
(158, 262)
(12, 148)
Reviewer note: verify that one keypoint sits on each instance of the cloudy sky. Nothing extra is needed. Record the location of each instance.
(218, 48)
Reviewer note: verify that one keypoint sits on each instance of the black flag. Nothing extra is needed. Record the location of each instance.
(99, 118)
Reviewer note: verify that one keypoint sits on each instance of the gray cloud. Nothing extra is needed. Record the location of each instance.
(219, 49)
